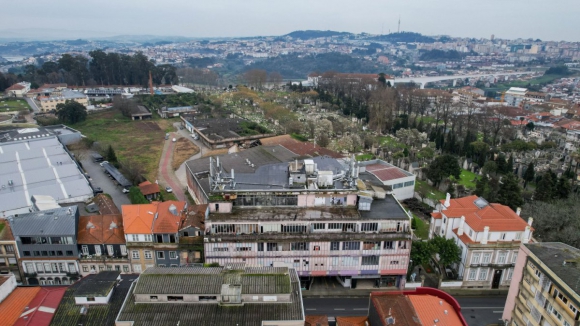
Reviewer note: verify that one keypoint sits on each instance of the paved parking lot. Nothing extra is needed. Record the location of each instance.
(101, 179)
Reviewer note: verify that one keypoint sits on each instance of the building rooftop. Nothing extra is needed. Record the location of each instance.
(58, 221)
(387, 208)
(384, 171)
(479, 214)
(5, 231)
(249, 313)
(36, 163)
(97, 285)
(299, 148)
(218, 129)
(101, 229)
(560, 258)
(157, 217)
(68, 312)
(13, 306)
(40, 310)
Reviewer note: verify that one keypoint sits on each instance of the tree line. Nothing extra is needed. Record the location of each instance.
(100, 68)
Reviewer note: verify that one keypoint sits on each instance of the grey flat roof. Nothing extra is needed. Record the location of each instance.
(186, 280)
(97, 285)
(287, 214)
(553, 255)
(55, 221)
(249, 314)
(119, 177)
(39, 166)
(388, 208)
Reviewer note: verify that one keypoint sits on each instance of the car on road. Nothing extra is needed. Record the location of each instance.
(168, 189)
(174, 140)
(103, 163)
(97, 190)
(125, 190)
(180, 127)
(195, 136)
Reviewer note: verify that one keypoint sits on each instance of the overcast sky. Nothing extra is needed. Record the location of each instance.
(547, 20)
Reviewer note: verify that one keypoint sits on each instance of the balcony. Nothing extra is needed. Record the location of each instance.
(103, 258)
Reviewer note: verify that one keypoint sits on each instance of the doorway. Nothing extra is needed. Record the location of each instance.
(496, 278)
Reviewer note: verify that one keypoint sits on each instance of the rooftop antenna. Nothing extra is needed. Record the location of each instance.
(399, 28)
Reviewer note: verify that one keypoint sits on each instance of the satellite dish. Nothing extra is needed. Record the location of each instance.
(537, 153)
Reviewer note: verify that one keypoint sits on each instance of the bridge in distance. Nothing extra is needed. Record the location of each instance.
(422, 81)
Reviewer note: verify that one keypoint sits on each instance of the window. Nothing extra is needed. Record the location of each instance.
(125, 268)
(394, 262)
(221, 249)
(318, 226)
(370, 260)
(135, 254)
(9, 248)
(299, 246)
(444, 220)
(153, 297)
(518, 235)
(39, 268)
(296, 263)
(36, 253)
(26, 253)
(174, 298)
(173, 255)
(98, 250)
(483, 274)
(402, 244)
(538, 273)
(207, 297)
(260, 246)
(409, 183)
(134, 237)
(475, 258)
(110, 250)
(86, 269)
(501, 257)
(398, 185)
(509, 274)
(388, 245)
(44, 253)
(502, 236)
(123, 250)
(69, 253)
(148, 238)
(472, 274)
(90, 299)
(270, 246)
(514, 257)
(574, 310)
(59, 253)
(486, 258)
(335, 245)
(148, 254)
(369, 227)
(85, 250)
(351, 245)
(160, 255)
(316, 248)
(161, 265)
(335, 226)
(292, 228)
(72, 268)
(137, 268)
(561, 296)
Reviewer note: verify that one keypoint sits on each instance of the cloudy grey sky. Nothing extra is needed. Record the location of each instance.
(544, 19)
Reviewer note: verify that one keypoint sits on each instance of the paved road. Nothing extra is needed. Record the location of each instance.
(32, 104)
(168, 176)
(477, 311)
(100, 179)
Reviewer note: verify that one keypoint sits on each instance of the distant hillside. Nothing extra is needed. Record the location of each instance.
(310, 34)
(294, 67)
(440, 55)
(404, 37)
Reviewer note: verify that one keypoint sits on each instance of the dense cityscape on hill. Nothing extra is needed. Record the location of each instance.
(319, 177)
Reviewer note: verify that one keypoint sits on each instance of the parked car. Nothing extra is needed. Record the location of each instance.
(103, 163)
(125, 190)
(168, 189)
(97, 190)
(174, 140)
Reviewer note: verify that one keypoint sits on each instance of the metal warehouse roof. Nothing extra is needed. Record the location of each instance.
(58, 221)
(39, 166)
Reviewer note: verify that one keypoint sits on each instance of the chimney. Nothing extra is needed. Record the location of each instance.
(460, 229)
(518, 211)
(485, 235)
(448, 200)
(526, 238)
(530, 221)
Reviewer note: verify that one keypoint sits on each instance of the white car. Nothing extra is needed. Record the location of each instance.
(125, 191)
(103, 163)
(174, 140)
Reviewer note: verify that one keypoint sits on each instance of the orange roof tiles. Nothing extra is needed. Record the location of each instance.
(166, 221)
(13, 306)
(496, 216)
(352, 321)
(430, 308)
(42, 307)
(395, 305)
(138, 219)
(316, 321)
(101, 229)
(436, 215)
(148, 188)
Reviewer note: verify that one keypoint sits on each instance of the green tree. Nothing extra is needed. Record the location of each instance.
(563, 188)
(136, 196)
(510, 165)
(442, 167)
(529, 175)
(71, 112)
(421, 253)
(545, 188)
(110, 155)
(481, 186)
(448, 252)
(510, 193)
(490, 167)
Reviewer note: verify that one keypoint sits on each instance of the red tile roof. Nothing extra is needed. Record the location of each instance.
(5, 231)
(13, 306)
(166, 221)
(41, 309)
(138, 219)
(386, 172)
(101, 229)
(148, 188)
(497, 216)
(316, 321)
(430, 308)
(352, 321)
(15, 87)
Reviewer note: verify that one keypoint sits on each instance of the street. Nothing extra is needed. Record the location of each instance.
(477, 311)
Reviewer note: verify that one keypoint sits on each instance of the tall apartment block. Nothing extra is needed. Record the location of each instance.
(314, 215)
(545, 289)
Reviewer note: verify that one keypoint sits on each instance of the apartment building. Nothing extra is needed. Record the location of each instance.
(101, 243)
(515, 95)
(49, 103)
(8, 251)
(310, 215)
(489, 236)
(152, 234)
(47, 245)
(545, 289)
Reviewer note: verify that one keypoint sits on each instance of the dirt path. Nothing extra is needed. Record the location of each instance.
(166, 174)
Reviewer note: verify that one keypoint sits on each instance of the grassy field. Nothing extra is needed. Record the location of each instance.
(183, 150)
(8, 105)
(365, 157)
(468, 179)
(430, 192)
(141, 141)
(385, 140)
(422, 228)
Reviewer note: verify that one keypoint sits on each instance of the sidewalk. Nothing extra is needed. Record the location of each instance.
(166, 175)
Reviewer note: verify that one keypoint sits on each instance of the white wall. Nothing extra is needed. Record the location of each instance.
(7, 287)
